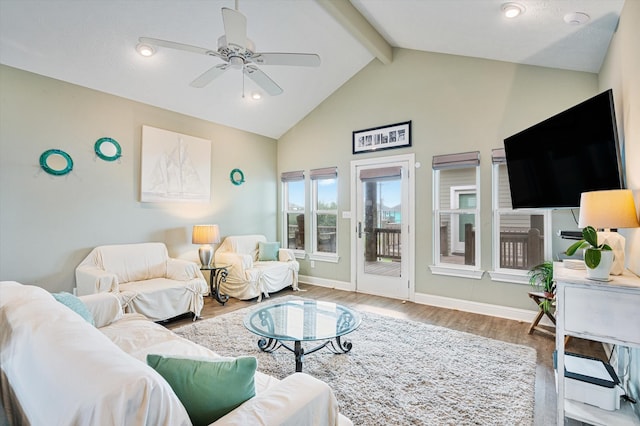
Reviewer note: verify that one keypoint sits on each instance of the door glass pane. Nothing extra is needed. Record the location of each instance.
(381, 226)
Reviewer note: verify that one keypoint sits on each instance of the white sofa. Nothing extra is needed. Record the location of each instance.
(146, 279)
(248, 276)
(57, 369)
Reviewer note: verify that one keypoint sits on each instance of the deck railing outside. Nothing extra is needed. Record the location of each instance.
(521, 250)
(518, 250)
(388, 243)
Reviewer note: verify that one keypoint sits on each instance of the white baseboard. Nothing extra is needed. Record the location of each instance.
(323, 282)
(515, 314)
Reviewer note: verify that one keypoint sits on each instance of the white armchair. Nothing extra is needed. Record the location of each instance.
(250, 277)
(145, 278)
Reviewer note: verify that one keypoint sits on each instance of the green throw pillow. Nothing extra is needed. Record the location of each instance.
(208, 389)
(75, 304)
(268, 251)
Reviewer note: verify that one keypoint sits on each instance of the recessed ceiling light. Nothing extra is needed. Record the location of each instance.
(256, 96)
(511, 10)
(145, 49)
(576, 18)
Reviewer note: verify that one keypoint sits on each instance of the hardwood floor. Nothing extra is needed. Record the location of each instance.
(487, 326)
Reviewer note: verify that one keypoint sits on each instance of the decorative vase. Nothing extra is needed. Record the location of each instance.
(601, 272)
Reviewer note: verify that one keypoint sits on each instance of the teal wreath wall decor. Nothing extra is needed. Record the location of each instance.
(111, 150)
(236, 176)
(54, 167)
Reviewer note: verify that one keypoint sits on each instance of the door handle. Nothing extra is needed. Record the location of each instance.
(359, 229)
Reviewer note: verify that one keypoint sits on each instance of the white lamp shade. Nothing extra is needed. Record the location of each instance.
(205, 234)
(608, 209)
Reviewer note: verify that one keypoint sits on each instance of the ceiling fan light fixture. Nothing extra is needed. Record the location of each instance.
(236, 62)
(256, 96)
(512, 10)
(145, 50)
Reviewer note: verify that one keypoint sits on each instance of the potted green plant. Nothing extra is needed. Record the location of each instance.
(541, 276)
(597, 257)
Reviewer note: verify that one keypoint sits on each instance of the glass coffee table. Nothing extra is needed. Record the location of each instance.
(300, 321)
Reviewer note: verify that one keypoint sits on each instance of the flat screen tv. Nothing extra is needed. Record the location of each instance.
(551, 163)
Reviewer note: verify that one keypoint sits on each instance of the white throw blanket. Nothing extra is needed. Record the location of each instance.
(65, 372)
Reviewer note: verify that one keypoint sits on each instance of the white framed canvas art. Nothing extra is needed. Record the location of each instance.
(175, 167)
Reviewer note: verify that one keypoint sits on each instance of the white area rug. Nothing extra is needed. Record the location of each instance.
(400, 372)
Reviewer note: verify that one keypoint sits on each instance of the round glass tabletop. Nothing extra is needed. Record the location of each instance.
(302, 320)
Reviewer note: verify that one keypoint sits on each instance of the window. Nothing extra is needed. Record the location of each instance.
(521, 238)
(324, 215)
(456, 203)
(293, 201)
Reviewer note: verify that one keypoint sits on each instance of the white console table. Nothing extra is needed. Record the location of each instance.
(601, 311)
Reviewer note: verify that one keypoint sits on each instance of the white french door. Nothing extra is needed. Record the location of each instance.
(382, 243)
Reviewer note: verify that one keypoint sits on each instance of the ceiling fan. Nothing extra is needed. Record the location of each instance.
(238, 52)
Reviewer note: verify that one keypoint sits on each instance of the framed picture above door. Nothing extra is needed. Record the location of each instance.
(384, 137)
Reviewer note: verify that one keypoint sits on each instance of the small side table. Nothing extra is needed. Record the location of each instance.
(538, 297)
(217, 274)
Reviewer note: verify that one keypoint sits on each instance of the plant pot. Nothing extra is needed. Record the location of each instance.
(601, 272)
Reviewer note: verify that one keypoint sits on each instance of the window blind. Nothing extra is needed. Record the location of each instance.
(292, 176)
(381, 173)
(325, 173)
(498, 156)
(456, 161)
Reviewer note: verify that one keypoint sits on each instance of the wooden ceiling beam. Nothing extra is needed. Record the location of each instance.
(353, 21)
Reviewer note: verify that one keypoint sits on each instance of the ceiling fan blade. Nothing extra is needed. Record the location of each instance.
(262, 80)
(178, 46)
(209, 75)
(235, 27)
(293, 59)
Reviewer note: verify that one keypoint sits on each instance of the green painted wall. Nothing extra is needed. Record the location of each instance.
(456, 104)
(48, 224)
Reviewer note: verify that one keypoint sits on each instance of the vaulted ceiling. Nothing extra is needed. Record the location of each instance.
(92, 43)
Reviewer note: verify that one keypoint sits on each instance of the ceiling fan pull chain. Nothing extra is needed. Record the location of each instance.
(242, 77)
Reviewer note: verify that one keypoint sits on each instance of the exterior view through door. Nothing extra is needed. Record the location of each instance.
(381, 237)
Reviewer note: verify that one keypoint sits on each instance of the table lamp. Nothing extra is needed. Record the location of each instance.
(205, 235)
(606, 210)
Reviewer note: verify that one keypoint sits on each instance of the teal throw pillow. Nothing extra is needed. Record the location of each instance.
(268, 251)
(208, 389)
(75, 304)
